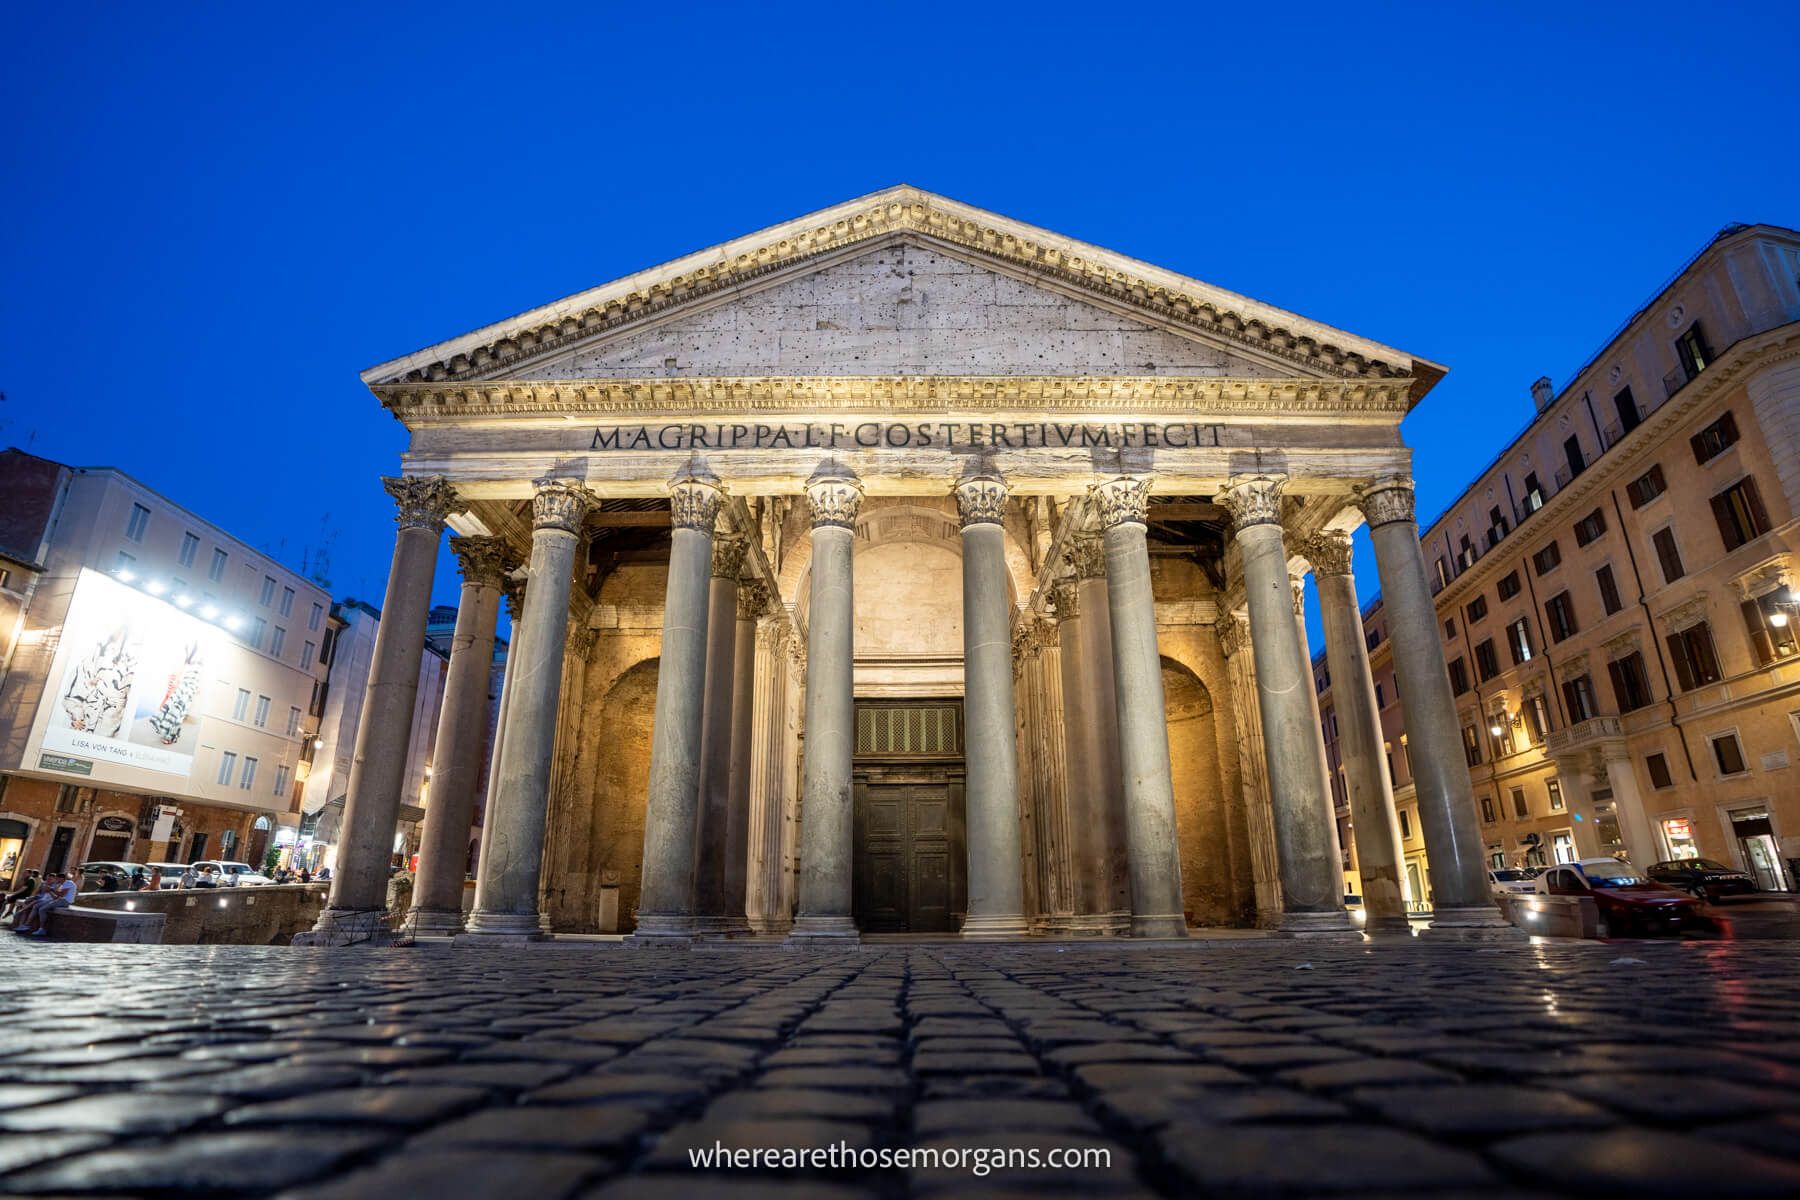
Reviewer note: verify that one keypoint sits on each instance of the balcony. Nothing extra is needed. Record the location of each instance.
(1595, 731)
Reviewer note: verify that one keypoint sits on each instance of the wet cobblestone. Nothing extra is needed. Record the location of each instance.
(590, 1071)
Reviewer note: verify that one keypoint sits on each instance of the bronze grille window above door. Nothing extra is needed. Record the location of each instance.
(909, 728)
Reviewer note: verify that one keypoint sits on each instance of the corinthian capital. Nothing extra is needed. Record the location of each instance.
(1234, 635)
(1328, 551)
(695, 497)
(980, 500)
(422, 501)
(485, 561)
(515, 601)
(1065, 596)
(1386, 499)
(753, 601)
(1252, 500)
(560, 504)
(834, 498)
(1087, 555)
(728, 555)
(1122, 501)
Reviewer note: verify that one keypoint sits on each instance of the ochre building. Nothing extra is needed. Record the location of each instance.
(1616, 592)
(903, 568)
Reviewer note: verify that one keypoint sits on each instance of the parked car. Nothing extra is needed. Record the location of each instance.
(88, 876)
(171, 873)
(1513, 881)
(234, 874)
(1628, 900)
(1702, 877)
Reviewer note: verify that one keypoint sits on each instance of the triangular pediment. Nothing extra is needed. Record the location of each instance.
(904, 282)
(903, 308)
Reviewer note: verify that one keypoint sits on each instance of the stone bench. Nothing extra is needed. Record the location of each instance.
(80, 924)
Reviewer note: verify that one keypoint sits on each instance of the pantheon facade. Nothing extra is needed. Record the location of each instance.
(904, 568)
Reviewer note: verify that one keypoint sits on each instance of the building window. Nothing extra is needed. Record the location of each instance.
(216, 572)
(1380, 697)
(1691, 349)
(318, 614)
(1487, 811)
(1405, 826)
(281, 779)
(1646, 487)
(1459, 676)
(279, 643)
(1668, 554)
(190, 546)
(1476, 610)
(262, 712)
(1715, 439)
(293, 725)
(1509, 585)
(249, 775)
(1443, 573)
(241, 709)
(307, 653)
(1561, 613)
(1554, 787)
(1770, 618)
(1449, 628)
(1691, 649)
(1373, 639)
(227, 768)
(1590, 527)
(1387, 749)
(1537, 717)
(268, 591)
(1472, 747)
(137, 523)
(1631, 686)
(258, 627)
(1487, 663)
(1547, 559)
(1518, 641)
(1578, 694)
(287, 601)
(1626, 406)
(1728, 754)
(1609, 590)
(1658, 766)
(1521, 809)
(1740, 513)
(125, 563)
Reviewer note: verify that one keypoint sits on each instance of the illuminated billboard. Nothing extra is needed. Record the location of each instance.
(125, 686)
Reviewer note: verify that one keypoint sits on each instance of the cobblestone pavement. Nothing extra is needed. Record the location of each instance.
(1247, 1069)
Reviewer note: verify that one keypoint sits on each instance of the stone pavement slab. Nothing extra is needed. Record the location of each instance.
(1247, 1069)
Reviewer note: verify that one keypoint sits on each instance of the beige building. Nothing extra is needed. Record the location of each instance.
(158, 693)
(1616, 592)
(903, 567)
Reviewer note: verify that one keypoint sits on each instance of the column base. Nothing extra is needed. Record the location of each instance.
(1318, 926)
(998, 927)
(715, 929)
(1092, 925)
(1387, 925)
(1158, 925)
(434, 922)
(501, 928)
(349, 927)
(1483, 924)
(821, 932)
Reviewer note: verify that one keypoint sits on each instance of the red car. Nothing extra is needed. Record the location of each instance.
(1629, 902)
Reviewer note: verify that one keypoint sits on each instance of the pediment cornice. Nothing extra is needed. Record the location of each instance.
(1182, 304)
(1378, 401)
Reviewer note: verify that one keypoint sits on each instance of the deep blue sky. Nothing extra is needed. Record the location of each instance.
(214, 216)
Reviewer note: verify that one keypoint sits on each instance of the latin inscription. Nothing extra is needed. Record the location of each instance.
(912, 435)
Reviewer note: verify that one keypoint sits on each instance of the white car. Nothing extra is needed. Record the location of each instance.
(1513, 881)
(234, 874)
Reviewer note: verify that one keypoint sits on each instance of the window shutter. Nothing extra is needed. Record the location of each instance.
(1621, 689)
(1760, 640)
(1753, 500)
(1729, 532)
(1684, 669)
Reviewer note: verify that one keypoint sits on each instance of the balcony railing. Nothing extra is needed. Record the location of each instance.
(1583, 733)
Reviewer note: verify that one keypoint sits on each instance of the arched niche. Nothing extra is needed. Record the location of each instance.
(622, 785)
(1202, 832)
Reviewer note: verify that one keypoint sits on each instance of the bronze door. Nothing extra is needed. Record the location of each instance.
(903, 870)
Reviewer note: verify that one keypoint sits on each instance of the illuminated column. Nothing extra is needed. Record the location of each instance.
(996, 884)
(378, 771)
(826, 831)
(1156, 909)
(462, 727)
(506, 889)
(1379, 857)
(1461, 902)
(666, 903)
(1312, 892)
(715, 785)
